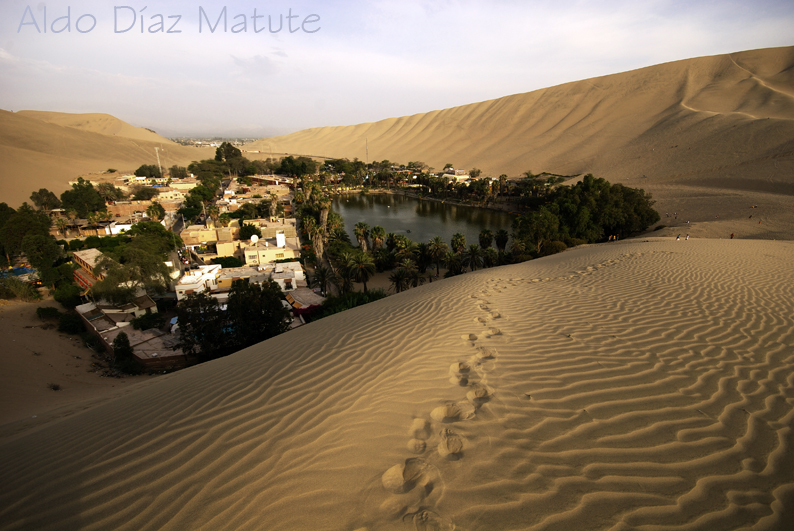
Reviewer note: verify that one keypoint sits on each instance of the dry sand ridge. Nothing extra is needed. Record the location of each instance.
(633, 385)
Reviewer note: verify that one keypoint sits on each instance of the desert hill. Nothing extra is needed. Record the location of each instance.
(101, 123)
(41, 153)
(719, 125)
(630, 385)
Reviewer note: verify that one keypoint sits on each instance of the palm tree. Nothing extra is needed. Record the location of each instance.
(322, 278)
(502, 181)
(72, 215)
(486, 237)
(501, 240)
(400, 279)
(362, 233)
(423, 259)
(308, 223)
(92, 218)
(325, 208)
(472, 257)
(225, 219)
(438, 250)
(154, 212)
(362, 267)
(378, 235)
(490, 257)
(317, 234)
(62, 225)
(454, 265)
(106, 216)
(458, 242)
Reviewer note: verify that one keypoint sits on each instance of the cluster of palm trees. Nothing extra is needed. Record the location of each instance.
(408, 261)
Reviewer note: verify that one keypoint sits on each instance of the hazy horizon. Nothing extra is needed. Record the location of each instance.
(344, 63)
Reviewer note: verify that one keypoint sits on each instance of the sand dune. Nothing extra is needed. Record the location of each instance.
(101, 123)
(45, 153)
(638, 385)
(722, 124)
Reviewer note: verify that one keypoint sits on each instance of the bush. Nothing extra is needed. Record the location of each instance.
(574, 242)
(70, 323)
(93, 242)
(47, 312)
(13, 287)
(147, 321)
(91, 341)
(76, 245)
(228, 261)
(552, 247)
(68, 295)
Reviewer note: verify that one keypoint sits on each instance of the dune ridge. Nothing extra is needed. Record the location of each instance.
(722, 122)
(101, 123)
(50, 149)
(637, 385)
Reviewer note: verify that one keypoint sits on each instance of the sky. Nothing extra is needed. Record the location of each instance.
(174, 66)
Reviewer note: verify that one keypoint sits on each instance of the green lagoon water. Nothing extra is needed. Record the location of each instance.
(418, 220)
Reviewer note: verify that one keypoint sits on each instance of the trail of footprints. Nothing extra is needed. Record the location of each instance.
(416, 483)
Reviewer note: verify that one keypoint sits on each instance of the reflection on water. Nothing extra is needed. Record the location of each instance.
(419, 220)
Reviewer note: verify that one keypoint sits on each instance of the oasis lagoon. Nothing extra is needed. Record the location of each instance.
(419, 220)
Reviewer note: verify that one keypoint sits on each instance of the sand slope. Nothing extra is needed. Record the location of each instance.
(101, 123)
(717, 123)
(43, 153)
(638, 385)
(692, 112)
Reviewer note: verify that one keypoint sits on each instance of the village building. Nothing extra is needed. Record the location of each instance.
(85, 275)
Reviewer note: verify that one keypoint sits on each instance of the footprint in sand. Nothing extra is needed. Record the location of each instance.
(479, 394)
(419, 432)
(459, 373)
(496, 315)
(481, 320)
(451, 444)
(493, 332)
(469, 337)
(424, 520)
(404, 477)
(486, 353)
(452, 412)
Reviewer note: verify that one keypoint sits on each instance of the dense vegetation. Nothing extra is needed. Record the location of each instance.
(254, 313)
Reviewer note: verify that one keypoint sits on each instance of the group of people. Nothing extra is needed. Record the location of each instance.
(687, 237)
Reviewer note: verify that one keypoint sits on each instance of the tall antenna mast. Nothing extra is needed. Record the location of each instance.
(157, 150)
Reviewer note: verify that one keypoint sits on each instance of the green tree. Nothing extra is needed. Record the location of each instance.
(322, 278)
(202, 327)
(458, 243)
(42, 252)
(486, 237)
(149, 171)
(501, 240)
(378, 235)
(109, 192)
(363, 268)
(400, 279)
(155, 211)
(475, 172)
(23, 222)
(538, 227)
(144, 193)
(124, 355)
(472, 257)
(248, 230)
(226, 152)
(255, 313)
(438, 250)
(361, 232)
(137, 269)
(82, 198)
(177, 172)
(45, 199)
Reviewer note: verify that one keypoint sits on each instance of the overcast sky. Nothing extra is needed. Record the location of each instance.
(350, 62)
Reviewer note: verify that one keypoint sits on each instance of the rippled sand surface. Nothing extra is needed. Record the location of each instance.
(636, 385)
